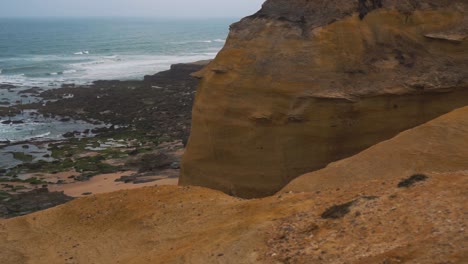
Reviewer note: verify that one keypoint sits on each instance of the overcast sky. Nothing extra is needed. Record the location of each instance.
(151, 8)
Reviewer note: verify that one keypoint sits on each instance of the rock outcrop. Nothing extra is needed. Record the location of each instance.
(361, 221)
(302, 83)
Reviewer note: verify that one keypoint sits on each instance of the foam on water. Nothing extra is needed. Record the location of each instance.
(47, 53)
(81, 52)
(50, 52)
(38, 127)
(113, 67)
(197, 41)
(130, 67)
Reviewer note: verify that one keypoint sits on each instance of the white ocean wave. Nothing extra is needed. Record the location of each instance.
(40, 136)
(131, 66)
(105, 67)
(22, 80)
(84, 52)
(198, 41)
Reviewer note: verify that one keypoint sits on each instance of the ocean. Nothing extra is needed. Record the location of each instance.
(48, 52)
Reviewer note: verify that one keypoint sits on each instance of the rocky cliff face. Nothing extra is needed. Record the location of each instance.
(303, 83)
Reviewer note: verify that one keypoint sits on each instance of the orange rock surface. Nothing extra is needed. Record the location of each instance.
(303, 83)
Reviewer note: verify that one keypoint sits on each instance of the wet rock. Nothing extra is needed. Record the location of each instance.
(7, 86)
(12, 122)
(68, 135)
(33, 90)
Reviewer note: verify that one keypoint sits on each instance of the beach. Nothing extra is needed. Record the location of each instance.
(108, 136)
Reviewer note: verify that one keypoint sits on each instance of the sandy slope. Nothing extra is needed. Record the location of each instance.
(438, 146)
(424, 223)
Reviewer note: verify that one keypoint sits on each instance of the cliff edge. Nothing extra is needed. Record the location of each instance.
(302, 83)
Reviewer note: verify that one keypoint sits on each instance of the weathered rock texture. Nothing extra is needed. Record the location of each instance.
(348, 222)
(304, 83)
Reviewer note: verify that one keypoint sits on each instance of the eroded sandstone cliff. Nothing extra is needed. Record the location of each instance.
(303, 83)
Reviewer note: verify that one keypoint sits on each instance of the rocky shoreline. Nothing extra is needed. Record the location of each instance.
(140, 131)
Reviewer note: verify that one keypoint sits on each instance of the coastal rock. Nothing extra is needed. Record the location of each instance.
(12, 122)
(70, 134)
(33, 90)
(7, 86)
(302, 83)
(180, 72)
(161, 104)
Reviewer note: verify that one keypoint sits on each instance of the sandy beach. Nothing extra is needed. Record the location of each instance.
(107, 183)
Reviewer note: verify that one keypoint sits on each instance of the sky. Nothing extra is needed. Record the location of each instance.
(146, 8)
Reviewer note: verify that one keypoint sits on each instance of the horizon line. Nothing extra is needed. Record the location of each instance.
(128, 16)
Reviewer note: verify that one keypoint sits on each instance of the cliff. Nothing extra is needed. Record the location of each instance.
(384, 220)
(302, 83)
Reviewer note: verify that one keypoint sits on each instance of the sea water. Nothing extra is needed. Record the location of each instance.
(48, 52)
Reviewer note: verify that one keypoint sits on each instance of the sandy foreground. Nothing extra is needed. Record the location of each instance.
(375, 218)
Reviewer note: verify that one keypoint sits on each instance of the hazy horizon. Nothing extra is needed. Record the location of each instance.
(128, 8)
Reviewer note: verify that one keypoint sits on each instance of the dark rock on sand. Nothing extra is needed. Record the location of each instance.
(12, 122)
(25, 203)
(179, 72)
(150, 162)
(68, 135)
(33, 90)
(7, 86)
(406, 183)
